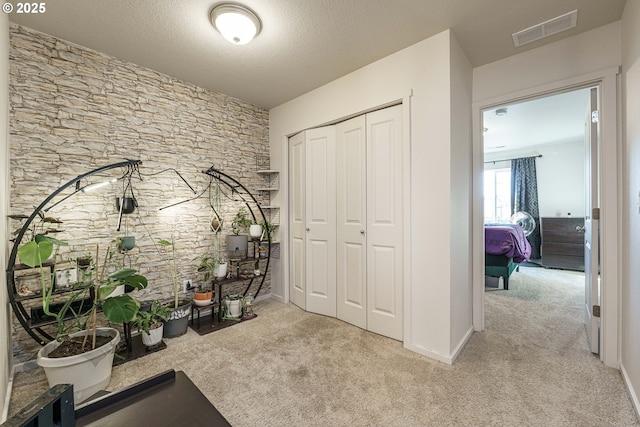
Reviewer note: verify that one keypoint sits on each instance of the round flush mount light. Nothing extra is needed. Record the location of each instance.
(236, 23)
(501, 112)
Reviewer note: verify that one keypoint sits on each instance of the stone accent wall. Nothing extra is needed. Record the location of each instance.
(73, 110)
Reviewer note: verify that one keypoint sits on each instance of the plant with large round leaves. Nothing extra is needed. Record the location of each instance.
(117, 309)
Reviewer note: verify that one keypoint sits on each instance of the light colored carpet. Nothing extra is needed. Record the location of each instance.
(288, 367)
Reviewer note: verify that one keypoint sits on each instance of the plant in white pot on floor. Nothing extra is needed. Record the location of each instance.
(83, 358)
(177, 322)
(150, 322)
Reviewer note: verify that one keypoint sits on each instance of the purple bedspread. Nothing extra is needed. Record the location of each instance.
(508, 240)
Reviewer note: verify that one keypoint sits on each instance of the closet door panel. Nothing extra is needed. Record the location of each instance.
(383, 298)
(297, 274)
(320, 210)
(384, 222)
(351, 195)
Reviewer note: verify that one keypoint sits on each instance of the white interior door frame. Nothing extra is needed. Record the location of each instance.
(610, 203)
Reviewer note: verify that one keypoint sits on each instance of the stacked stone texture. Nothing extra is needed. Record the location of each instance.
(73, 109)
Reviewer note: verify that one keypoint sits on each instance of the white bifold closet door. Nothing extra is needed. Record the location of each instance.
(346, 221)
(369, 222)
(312, 171)
(297, 272)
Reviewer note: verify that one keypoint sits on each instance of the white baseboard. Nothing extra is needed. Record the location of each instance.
(632, 391)
(448, 359)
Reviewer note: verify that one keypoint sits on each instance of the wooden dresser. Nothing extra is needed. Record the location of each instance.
(562, 244)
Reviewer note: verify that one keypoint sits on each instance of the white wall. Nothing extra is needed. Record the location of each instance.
(461, 225)
(630, 298)
(593, 50)
(587, 57)
(561, 179)
(560, 173)
(5, 326)
(424, 72)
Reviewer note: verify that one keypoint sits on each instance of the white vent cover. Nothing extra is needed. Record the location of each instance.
(546, 29)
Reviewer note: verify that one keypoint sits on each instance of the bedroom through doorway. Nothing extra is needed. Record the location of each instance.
(535, 177)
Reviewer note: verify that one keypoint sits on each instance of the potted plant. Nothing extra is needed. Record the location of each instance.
(267, 229)
(237, 243)
(232, 307)
(178, 321)
(126, 243)
(207, 266)
(150, 322)
(202, 296)
(82, 358)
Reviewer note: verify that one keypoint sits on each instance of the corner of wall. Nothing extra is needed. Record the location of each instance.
(630, 293)
(5, 324)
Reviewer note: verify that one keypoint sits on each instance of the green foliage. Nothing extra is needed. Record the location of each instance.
(151, 318)
(241, 221)
(206, 266)
(119, 309)
(173, 265)
(267, 227)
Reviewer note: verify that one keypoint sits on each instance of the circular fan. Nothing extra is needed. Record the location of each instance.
(524, 220)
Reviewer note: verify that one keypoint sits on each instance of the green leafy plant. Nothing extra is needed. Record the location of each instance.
(117, 309)
(43, 227)
(242, 221)
(151, 318)
(207, 265)
(267, 228)
(170, 249)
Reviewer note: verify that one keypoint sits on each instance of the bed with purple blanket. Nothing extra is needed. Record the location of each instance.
(505, 246)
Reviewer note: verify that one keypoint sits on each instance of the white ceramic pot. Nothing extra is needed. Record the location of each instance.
(255, 231)
(234, 307)
(220, 271)
(89, 372)
(153, 337)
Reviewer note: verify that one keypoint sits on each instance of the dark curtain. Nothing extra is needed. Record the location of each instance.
(524, 196)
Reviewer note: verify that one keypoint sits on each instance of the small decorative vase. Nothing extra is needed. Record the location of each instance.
(247, 308)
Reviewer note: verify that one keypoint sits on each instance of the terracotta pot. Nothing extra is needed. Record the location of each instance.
(202, 299)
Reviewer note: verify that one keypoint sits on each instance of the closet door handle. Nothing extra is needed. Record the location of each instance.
(308, 229)
(362, 232)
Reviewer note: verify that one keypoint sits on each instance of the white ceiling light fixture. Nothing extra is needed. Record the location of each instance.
(501, 112)
(236, 23)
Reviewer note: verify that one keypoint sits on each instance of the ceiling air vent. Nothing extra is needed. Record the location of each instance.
(546, 29)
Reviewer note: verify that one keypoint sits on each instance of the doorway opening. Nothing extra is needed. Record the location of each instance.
(550, 132)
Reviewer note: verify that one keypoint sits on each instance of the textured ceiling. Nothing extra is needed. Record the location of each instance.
(554, 119)
(304, 43)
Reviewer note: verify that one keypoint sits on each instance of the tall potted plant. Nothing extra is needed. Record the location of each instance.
(81, 358)
(178, 321)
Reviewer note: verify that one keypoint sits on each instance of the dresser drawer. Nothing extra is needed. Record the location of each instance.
(570, 249)
(562, 230)
(562, 261)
